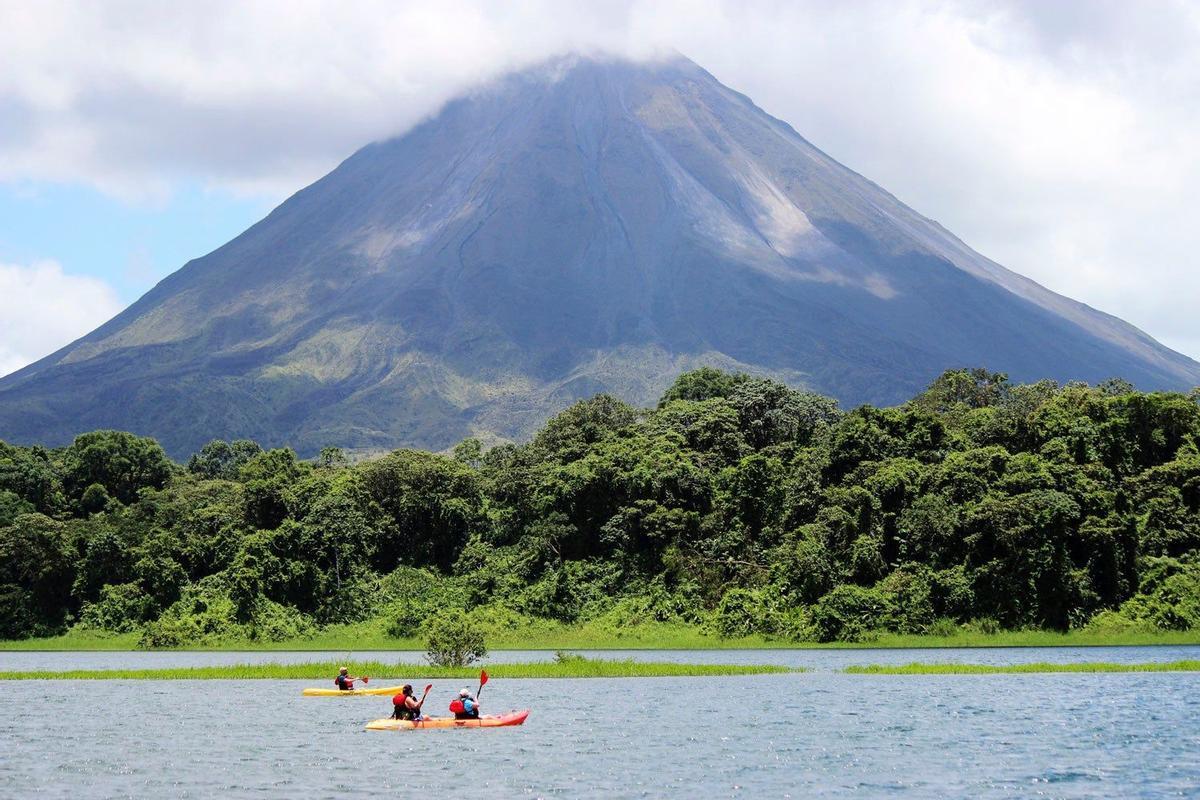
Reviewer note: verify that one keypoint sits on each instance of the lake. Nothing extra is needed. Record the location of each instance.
(818, 734)
(812, 659)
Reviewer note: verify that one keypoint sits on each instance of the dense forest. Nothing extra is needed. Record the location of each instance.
(737, 504)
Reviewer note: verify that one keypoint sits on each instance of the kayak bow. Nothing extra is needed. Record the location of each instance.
(486, 721)
(374, 690)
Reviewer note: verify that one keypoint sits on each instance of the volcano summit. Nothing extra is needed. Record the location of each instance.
(588, 225)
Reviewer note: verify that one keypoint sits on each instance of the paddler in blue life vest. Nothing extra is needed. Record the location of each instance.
(405, 705)
(344, 681)
(465, 706)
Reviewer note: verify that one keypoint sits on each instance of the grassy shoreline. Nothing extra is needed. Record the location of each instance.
(570, 668)
(654, 636)
(1021, 669)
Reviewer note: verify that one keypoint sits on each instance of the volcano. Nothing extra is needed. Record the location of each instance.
(588, 225)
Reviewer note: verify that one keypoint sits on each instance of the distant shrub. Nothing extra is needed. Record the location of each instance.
(165, 634)
(416, 596)
(455, 641)
(744, 612)
(908, 594)
(1169, 597)
(272, 622)
(943, 626)
(797, 625)
(850, 613)
(985, 625)
(951, 593)
(553, 596)
(205, 614)
(499, 617)
(1113, 622)
(121, 608)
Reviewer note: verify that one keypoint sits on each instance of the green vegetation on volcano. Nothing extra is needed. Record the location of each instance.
(738, 510)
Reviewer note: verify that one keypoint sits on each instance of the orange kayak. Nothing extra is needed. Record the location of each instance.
(486, 721)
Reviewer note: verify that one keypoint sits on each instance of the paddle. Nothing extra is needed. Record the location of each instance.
(483, 679)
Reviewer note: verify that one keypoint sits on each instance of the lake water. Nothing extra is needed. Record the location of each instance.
(812, 659)
(818, 734)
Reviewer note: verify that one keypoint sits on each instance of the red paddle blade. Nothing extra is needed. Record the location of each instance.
(483, 678)
(427, 688)
(366, 679)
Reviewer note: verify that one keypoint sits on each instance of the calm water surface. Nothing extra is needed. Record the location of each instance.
(822, 660)
(819, 734)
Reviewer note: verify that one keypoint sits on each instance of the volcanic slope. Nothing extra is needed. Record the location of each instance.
(587, 225)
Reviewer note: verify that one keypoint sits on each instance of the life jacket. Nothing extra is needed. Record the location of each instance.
(343, 684)
(400, 709)
(458, 707)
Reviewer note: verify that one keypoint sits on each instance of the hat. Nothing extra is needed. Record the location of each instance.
(343, 670)
(464, 693)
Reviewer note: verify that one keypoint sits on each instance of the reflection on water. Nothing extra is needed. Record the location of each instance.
(818, 734)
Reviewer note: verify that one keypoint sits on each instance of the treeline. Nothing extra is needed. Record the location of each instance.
(738, 504)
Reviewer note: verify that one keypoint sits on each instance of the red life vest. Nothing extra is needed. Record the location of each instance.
(457, 707)
(400, 709)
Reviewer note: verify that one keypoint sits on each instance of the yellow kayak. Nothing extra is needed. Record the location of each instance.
(486, 721)
(369, 691)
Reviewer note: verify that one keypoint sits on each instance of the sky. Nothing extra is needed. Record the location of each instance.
(1060, 138)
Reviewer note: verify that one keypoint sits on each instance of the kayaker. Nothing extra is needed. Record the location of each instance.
(405, 705)
(344, 681)
(466, 706)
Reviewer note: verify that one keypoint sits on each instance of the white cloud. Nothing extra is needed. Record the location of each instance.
(1058, 138)
(43, 308)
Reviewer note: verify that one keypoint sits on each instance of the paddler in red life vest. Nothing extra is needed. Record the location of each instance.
(405, 705)
(465, 706)
(344, 681)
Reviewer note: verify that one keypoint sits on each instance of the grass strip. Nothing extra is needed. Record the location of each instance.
(1005, 669)
(649, 636)
(572, 668)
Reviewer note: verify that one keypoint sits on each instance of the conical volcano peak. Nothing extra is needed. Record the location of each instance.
(591, 223)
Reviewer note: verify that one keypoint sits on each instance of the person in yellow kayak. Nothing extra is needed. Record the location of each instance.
(344, 681)
(465, 706)
(407, 706)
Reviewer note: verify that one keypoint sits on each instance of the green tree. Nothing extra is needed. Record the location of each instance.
(223, 460)
(454, 641)
(121, 463)
(567, 436)
(705, 383)
(37, 570)
(430, 504)
(268, 479)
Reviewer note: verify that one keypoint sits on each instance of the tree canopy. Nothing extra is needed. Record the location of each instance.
(737, 503)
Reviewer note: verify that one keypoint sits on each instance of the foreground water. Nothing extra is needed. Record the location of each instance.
(818, 734)
(807, 735)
